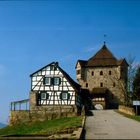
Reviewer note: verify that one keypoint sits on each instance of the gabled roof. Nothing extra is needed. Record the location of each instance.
(81, 62)
(75, 85)
(102, 58)
(122, 62)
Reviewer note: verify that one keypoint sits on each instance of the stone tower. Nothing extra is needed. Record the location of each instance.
(105, 77)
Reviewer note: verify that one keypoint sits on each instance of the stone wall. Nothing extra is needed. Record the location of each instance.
(41, 114)
(127, 110)
(19, 116)
(114, 81)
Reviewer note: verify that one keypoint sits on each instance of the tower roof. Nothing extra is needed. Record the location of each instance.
(103, 57)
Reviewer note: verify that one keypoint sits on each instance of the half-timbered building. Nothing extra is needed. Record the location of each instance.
(52, 87)
(53, 94)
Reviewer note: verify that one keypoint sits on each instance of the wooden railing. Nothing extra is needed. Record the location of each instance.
(20, 105)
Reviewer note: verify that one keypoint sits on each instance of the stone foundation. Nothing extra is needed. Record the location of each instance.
(127, 110)
(19, 116)
(41, 114)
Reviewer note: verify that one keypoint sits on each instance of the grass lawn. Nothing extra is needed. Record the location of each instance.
(137, 118)
(43, 128)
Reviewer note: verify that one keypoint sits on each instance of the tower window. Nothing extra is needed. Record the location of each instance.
(78, 72)
(101, 72)
(110, 72)
(101, 84)
(114, 84)
(86, 84)
(92, 73)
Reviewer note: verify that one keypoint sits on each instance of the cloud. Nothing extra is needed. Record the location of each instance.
(91, 48)
(70, 57)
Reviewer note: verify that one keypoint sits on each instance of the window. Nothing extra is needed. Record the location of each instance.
(47, 81)
(86, 84)
(78, 72)
(110, 72)
(101, 84)
(112, 96)
(114, 84)
(44, 95)
(52, 80)
(55, 68)
(101, 72)
(64, 96)
(56, 81)
(51, 67)
(92, 73)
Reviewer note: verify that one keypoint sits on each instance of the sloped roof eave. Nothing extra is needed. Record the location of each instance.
(75, 85)
(81, 62)
(42, 68)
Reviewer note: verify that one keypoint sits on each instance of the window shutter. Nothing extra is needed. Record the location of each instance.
(44, 81)
(39, 96)
(47, 95)
(68, 96)
(59, 80)
(52, 81)
(61, 96)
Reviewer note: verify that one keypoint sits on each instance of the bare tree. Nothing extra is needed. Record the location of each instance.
(131, 73)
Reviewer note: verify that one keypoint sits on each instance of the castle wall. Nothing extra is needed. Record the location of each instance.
(110, 79)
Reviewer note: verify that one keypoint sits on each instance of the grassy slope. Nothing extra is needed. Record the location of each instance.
(42, 128)
(137, 118)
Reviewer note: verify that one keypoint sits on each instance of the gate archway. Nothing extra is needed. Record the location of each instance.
(98, 106)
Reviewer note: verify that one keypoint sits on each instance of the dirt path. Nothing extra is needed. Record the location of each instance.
(107, 124)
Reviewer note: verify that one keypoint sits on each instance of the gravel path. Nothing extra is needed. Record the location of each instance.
(107, 124)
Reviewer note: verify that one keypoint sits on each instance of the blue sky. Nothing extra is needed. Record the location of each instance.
(35, 33)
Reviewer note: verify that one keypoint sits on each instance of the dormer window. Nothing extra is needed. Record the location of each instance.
(101, 72)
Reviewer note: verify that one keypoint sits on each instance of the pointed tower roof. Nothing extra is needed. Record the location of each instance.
(103, 57)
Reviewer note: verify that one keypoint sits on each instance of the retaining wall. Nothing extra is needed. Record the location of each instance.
(127, 110)
(24, 116)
